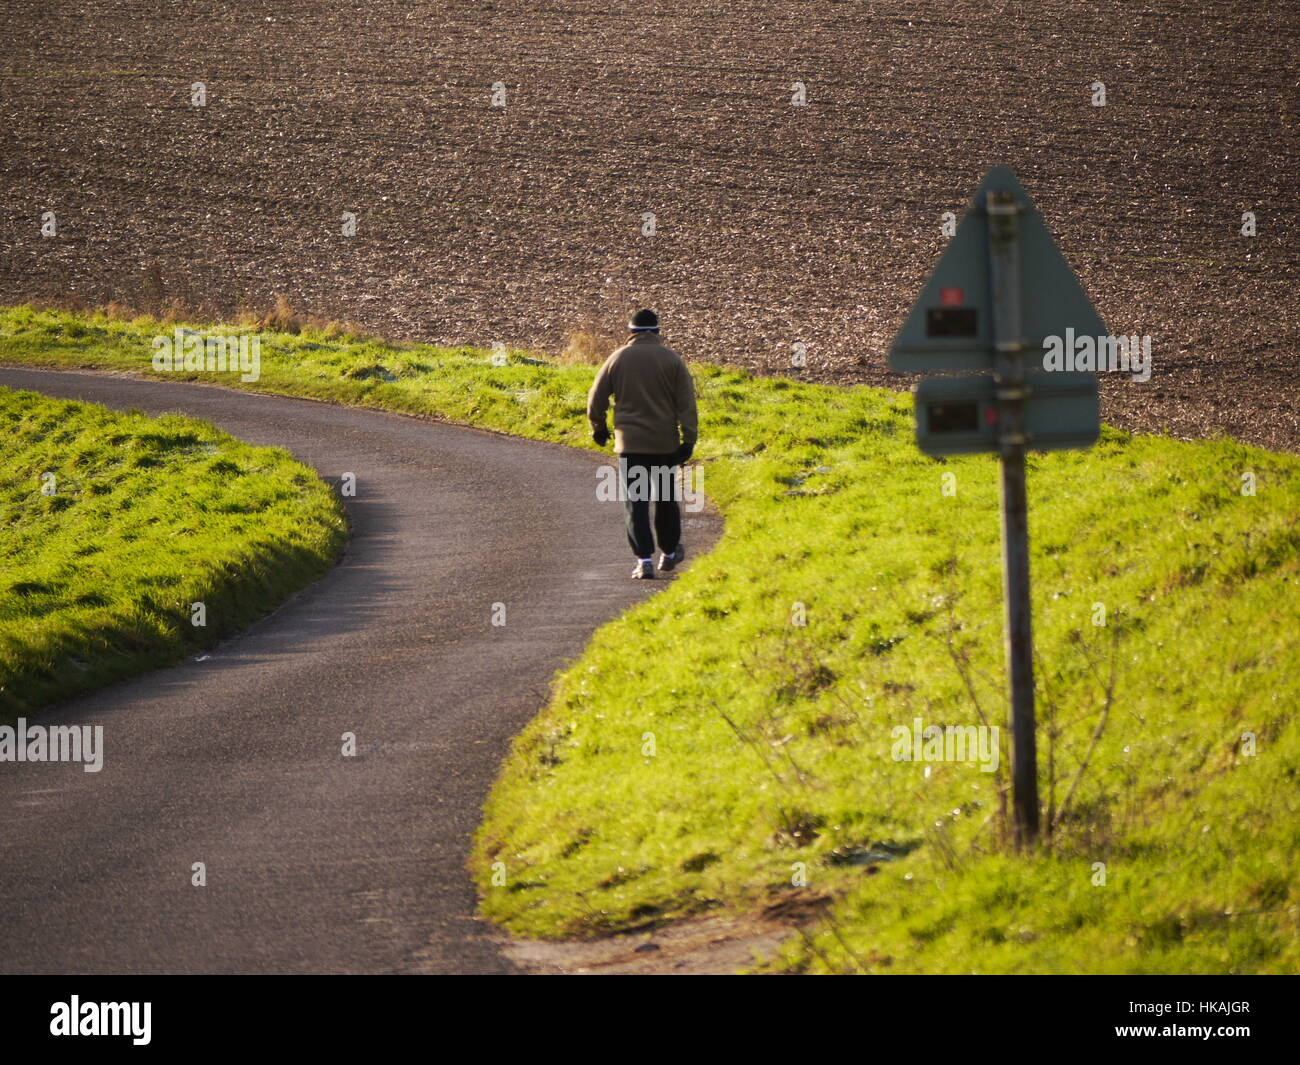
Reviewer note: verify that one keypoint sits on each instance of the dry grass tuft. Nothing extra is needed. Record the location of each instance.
(282, 318)
(163, 309)
(590, 342)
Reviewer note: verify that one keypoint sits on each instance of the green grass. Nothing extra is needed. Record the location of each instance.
(116, 524)
(771, 740)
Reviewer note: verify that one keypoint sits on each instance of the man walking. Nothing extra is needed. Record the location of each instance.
(654, 397)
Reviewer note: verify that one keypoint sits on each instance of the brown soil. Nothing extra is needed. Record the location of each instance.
(775, 223)
(711, 946)
(697, 946)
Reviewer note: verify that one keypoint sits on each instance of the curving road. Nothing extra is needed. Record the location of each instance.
(316, 862)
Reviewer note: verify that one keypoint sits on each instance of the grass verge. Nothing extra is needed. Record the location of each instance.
(730, 744)
(116, 525)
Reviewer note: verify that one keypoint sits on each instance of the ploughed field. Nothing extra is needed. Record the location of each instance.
(774, 224)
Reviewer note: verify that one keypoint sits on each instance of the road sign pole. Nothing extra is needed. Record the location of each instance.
(1009, 372)
(969, 318)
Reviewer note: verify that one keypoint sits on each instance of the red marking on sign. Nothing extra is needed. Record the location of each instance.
(952, 297)
(990, 416)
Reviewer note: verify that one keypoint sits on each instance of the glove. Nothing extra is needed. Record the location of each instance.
(685, 452)
(600, 435)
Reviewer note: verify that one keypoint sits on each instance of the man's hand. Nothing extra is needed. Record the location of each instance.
(684, 453)
(600, 435)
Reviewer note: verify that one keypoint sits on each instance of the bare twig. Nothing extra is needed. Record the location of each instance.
(758, 747)
(1101, 723)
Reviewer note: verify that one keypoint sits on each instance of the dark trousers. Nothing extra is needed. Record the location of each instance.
(646, 479)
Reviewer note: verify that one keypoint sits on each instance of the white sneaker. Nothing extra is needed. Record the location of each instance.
(645, 570)
(667, 562)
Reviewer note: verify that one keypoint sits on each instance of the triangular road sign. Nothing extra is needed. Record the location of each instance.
(961, 415)
(950, 326)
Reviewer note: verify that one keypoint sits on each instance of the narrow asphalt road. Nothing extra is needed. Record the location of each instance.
(316, 862)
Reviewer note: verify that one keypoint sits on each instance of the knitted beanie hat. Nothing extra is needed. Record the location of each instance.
(644, 321)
